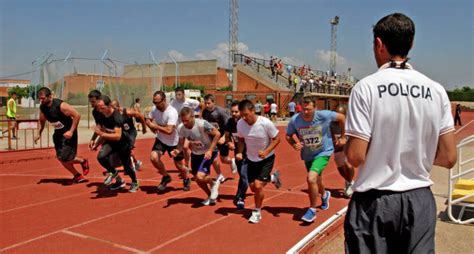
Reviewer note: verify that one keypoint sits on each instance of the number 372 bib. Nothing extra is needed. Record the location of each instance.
(312, 137)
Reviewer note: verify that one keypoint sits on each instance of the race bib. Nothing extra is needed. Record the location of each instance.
(57, 125)
(126, 126)
(312, 137)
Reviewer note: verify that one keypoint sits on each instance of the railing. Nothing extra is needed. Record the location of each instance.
(26, 130)
(461, 201)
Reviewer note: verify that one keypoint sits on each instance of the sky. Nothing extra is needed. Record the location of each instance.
(297, 31)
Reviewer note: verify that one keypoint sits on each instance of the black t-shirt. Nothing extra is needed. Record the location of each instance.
(218, 118)
(97, 116)
(115, 121)
(60, 122)
(128, 125)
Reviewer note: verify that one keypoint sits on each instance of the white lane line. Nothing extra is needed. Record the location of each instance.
(456, 132)
(121, 246)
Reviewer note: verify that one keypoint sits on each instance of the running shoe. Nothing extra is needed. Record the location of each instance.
(325, 200)
(309, 216)
(138, 165)
(186, 184)
(215, 189)
(85, 167)
(108, 180)
(164, 181)
(133, 187)
(220, 178)
(209, 201)
(240, 204)
(256, 217)
(234, 166)
(118, 185)
(276, 179)
(78, 179)
(348, 189)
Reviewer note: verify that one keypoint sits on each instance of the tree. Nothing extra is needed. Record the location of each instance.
(20, 92)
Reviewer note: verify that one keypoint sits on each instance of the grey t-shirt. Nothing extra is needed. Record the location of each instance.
(218, 118)
(198, 136)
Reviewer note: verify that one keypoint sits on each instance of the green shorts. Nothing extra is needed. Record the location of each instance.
(318, 164)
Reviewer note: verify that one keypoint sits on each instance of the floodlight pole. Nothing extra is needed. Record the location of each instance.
(176, 71)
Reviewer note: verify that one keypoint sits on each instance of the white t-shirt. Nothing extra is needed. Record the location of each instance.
(402, 113)
(257, 136)
(199, 139)
(273, 108)
(165, 118)
(190, 103)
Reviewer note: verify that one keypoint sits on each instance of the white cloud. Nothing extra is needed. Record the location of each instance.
(358, 70)
(178, 55)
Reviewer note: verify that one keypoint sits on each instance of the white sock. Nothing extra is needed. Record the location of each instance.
(312, 209)
(272, 178)
(258, 210)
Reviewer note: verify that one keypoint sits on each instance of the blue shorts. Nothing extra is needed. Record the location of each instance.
(199, 164)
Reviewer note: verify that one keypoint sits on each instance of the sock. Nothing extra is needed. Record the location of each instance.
(258, 210)
(272, 178)
(312, 209)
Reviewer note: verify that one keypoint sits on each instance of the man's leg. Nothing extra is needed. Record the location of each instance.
(312, 181)
(155, 158)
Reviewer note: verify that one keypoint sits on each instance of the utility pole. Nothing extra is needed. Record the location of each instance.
(233, 31)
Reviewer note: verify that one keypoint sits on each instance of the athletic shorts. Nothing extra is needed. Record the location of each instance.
(317, 165)
(292, 114)
(66, 149)
(260, 170)
(162, 147)
(199, 164)
(391, 222)
(223, 150)
(12, 118)
(340, 159)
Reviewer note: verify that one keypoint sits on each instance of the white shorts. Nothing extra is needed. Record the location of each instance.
(340, 159)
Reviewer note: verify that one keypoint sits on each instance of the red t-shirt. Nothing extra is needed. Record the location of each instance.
(298, 108)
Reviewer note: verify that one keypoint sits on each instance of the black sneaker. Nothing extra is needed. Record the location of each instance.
(117, 185)
(85, 166)
(164, 181)
(186, 184)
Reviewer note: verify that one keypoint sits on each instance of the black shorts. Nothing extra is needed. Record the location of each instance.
(391, 222)
(223, 150)
(260, 170)
(292, 114)
(273, 114)
(66, 149)
(11, 118)
(162, 147)
(133, 137)
(199, 165)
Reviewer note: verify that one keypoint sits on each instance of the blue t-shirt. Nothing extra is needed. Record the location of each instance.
(315, 135)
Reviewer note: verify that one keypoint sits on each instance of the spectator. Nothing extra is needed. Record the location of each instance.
(273, 111)
(292, 108)
(457, 115)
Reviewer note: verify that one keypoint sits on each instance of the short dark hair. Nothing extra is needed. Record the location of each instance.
(234, 103)
(307, 98)
(246, 104)
(105, 99)
(13, 93)
(179, 89)
(94, 94)
(210, 97)
(44, 90)
(161, 94)
(137, 100)
(186, 111)
(397, 32)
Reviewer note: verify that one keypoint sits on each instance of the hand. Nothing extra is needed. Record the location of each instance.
(37, 138)
(297, 146)
(174, 153)
(98, 131)
(231, 146)
(239, 157)
(208, 155)
(143, 129)
(262, 154)
(340, 142)
(91, 145)
(68, 134)
(221, 140)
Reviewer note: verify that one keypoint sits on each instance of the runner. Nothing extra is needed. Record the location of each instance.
(11, 114)
(64, 119)
(260, 136)
(203, 139)
(128, 115)
(163, 120)
(93, 96)
(218, 117)
(345, 169)
(116, 140)
(315, 144)
(233, 140)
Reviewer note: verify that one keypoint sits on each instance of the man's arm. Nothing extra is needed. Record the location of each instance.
(446, 153)
(67, 110)
(168, 129)
(139, 116)
(356, 151)
(42, 121)
(271, 147)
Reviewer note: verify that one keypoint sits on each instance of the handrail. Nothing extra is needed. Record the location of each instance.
(453, 178)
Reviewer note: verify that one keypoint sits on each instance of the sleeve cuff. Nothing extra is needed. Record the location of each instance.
(446, 130)
(358, 135)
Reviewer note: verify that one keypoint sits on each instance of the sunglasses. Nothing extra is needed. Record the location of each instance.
(157, 102)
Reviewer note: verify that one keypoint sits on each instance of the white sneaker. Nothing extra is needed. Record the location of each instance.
(256, 217)
(208, 202)
(215, 190)
(220, 178)
(234, 166)
(348, 190)
(138, 165)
